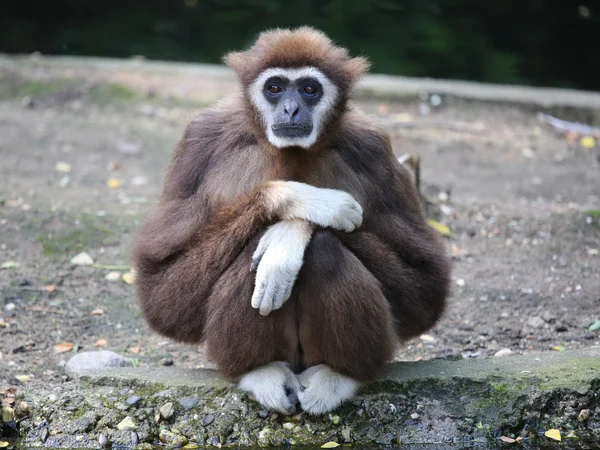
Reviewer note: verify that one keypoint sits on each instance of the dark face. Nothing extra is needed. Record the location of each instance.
(294, 102)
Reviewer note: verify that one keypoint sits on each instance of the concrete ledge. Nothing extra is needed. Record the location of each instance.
(375, 84)
(423, 402)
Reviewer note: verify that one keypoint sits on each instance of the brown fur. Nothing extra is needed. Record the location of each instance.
(357, 293)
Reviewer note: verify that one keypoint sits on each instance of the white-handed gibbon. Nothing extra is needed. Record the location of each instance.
(288, 237)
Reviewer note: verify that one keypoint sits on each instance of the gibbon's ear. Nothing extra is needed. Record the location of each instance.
(356, 68)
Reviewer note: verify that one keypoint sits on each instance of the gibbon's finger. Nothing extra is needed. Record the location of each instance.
(355, 217)
(258, 294)
(266, 304)
(263, 244)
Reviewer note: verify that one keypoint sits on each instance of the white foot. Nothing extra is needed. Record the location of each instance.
(274, 385)
(323, 390)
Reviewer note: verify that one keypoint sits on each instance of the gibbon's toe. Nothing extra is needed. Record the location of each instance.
(274, 386)
(323, 390)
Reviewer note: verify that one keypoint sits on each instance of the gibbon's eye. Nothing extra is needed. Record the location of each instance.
(309, 89)
(274, 88)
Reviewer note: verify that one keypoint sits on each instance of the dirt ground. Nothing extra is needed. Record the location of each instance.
(523, 208)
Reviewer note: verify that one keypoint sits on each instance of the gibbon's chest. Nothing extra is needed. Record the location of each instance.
(242, 171)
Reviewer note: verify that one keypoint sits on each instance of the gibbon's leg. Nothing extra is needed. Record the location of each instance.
(248, 346)
(345, 324)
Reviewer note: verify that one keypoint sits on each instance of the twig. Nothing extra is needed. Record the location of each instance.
(564, 126)
(445, 125)
(34, 289)
(44, 309)
(110, 267)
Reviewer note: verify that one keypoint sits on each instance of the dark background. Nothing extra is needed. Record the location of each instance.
(537, 42)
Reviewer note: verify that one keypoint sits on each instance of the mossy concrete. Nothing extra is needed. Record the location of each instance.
(421, 402)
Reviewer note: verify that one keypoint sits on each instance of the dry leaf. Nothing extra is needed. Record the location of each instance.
(507, 439)
(558, 348)
(22, 378)
(135, 349)
(587, 141)
(444, 230)
(101, 343)
(553, 433)
(97, 312)
(49, 288)
(3, 444)
(128, 277)
(63, 167)
(427, 338)
(9, 265)
(9, 401)
(330, 444)
(63, 347)
(402, 117)
(113, 183)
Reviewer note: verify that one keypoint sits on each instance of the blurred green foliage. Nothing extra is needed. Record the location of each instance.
(527, 41)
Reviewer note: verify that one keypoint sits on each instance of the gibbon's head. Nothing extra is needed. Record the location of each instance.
(297, 82)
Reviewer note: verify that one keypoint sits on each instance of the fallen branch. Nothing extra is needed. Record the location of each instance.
(564, 126)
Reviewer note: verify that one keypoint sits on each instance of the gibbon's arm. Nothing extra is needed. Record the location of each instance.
(184, 248)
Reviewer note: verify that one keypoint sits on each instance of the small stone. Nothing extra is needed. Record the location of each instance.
(167, 410)
(8, 414)
(460, 282)
(536, 322)
(207, 420)
(336, 419)
(113, 276)
(135, 440)
(346, 434)
(22, 410)
(44, 434)
(127, 422)
(103, 440)
(503, 352)
(167, 362)
(584, 414)
(82, 259)
(189, 403)
(133, 400)
(90, 361)
(414, 416)
(263, 414)
(289, 425)
(170, 438)
(215, 441)
(244, 410)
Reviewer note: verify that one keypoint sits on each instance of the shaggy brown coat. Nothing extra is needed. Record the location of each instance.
(357, 293)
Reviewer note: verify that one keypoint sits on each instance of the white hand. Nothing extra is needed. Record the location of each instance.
(278, 260)
(321, 206)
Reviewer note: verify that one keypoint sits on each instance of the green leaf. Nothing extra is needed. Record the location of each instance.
(595, 326)
(444, 230)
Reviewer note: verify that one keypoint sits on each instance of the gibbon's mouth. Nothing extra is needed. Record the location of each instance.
(291, 131)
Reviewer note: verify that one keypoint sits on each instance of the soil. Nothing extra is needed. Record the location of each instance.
(521, 201)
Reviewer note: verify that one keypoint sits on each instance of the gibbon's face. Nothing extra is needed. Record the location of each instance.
(293, 104)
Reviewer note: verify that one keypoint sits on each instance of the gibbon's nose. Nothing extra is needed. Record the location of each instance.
(291, 108)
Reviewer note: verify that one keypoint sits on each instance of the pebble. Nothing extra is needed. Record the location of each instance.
(584, 414)
(102, 439)
(44, 434)
(536, 322)
(414, 416)
(22, 410)
(135, 440)
(289, 426)
(167, 410)
(8, 414)
(503, 352)
(127, 422)
(86, 361)
(208, 419)
(167, 362)
(82, 259)
(113, 276)
(460, 282)
(263, 414)
(133, 400)
(189, 402)
(168, 437)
